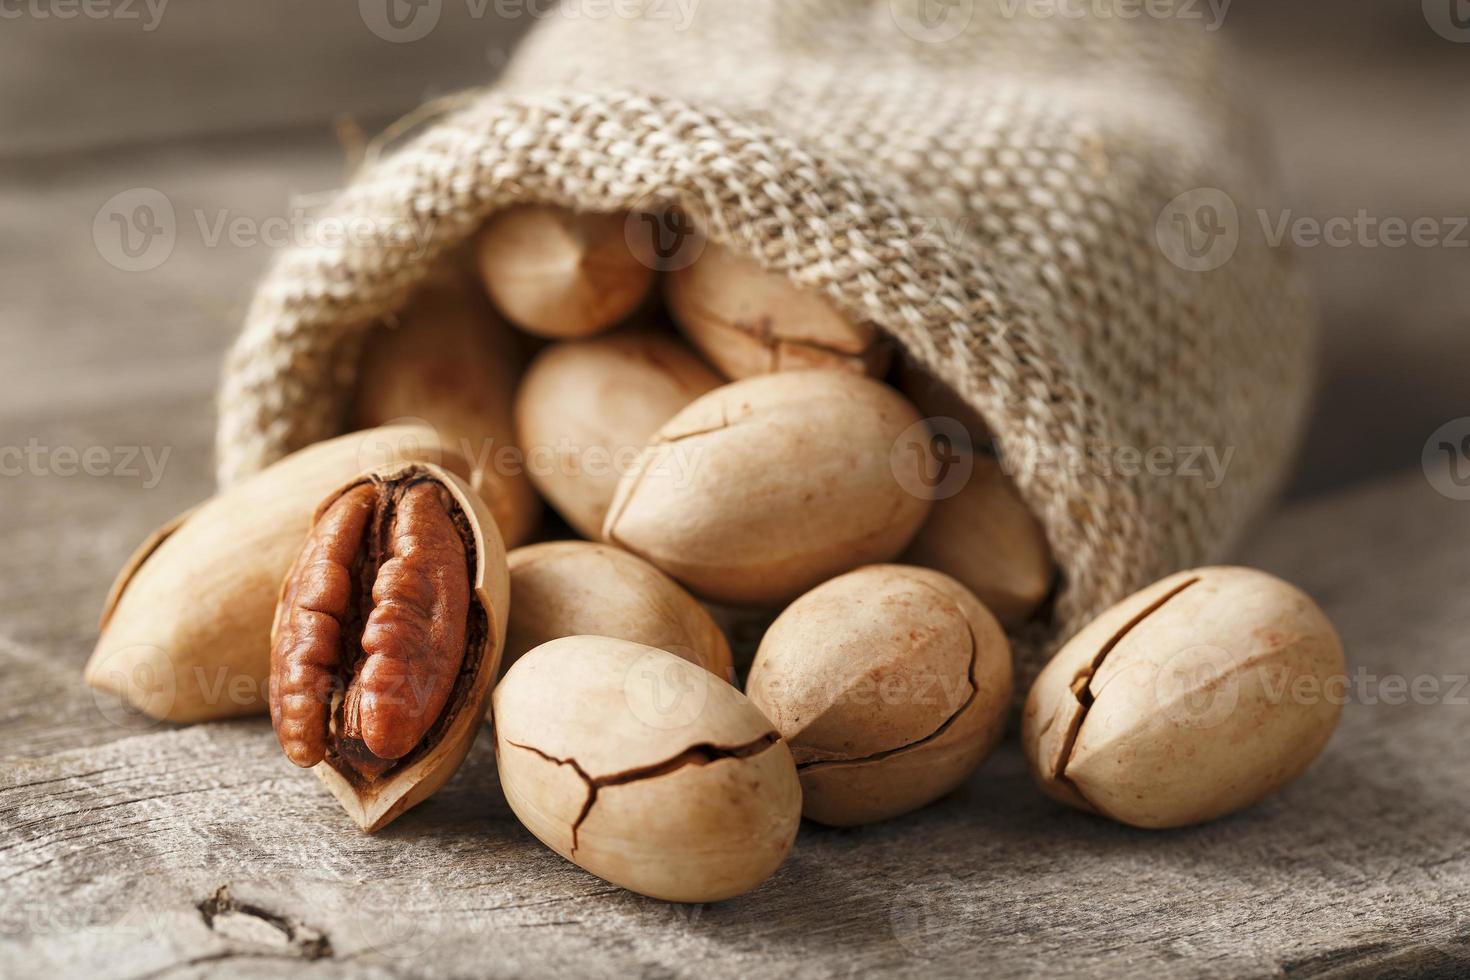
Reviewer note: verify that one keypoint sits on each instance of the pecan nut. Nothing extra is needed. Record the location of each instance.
(385, 632)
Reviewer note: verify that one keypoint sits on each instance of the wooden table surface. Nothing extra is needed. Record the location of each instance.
(135, 849)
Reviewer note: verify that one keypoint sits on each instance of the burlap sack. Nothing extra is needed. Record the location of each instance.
(988, 183)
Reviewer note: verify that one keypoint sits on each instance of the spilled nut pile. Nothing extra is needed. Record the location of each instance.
(717, 445)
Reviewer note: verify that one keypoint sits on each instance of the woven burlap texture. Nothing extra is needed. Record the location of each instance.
(987, 184)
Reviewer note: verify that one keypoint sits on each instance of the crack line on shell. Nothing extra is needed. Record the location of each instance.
(944, 726)
(721, 426)
(646, 462)
(764, 333)
(1081, 685)
(701, 754)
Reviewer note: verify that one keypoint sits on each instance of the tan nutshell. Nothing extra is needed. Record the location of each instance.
(749, 321)
(986, 537)
(761, 489)
(645, 770)
(571, 588)
(890, 683)
(185, 633)
(1191, 699)
(388, 636)
(450, 361)
(558, 273)
(585, 410)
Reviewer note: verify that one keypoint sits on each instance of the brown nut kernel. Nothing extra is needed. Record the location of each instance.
(749, 321)
(891, 684)
(573, 588)
(558, 273)
(387, 638)
(1176, 706)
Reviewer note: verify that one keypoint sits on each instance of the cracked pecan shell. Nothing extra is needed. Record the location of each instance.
(761, 489)
(890, 683)
(1195, 697)
(585, 410)
(644, 769)
(387, 637)
(748, 321)
(572, 588)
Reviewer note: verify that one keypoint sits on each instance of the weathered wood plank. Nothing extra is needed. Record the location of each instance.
(110, 848)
